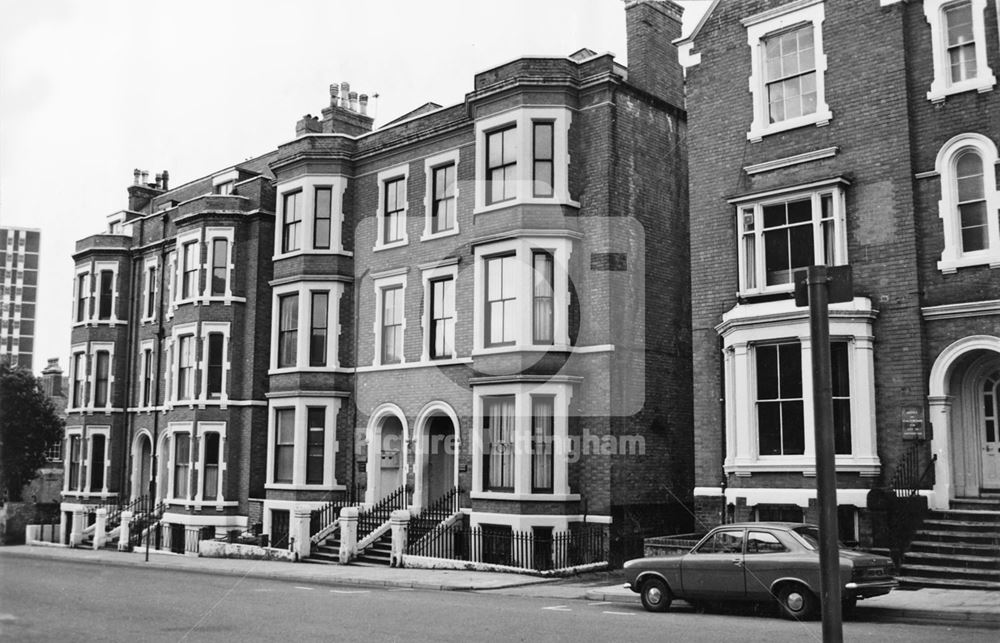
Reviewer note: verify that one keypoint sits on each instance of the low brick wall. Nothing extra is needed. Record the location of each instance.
(15, 516)
(218, 549)
(670, 545)
(426, 562)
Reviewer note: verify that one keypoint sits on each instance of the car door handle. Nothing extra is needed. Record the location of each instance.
(738, 562)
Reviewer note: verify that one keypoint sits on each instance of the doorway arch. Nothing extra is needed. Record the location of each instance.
(387, 434)
(142, 463)
(957, 416)
(437, 445)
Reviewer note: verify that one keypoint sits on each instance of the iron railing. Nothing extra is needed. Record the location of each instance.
(115, 515)
(540, 550)
(909, 476)
(371, 518)
(146, 524)
(327, 515)
(434, 514)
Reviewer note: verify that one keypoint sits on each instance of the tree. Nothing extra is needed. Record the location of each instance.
(29, 425)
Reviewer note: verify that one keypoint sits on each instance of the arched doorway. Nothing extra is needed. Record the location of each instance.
(142, 462)
(965, 419)
(437, 446)
(387, 435)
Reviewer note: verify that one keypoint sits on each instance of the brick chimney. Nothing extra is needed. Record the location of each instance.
(52, 379)
(345, 115)
(651, 27)
(308, 124)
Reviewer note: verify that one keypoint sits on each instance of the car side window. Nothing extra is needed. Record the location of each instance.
(762, 542)
(723, 542)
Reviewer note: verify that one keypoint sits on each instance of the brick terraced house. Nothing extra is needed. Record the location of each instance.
(483, 306)
(168, 363)
(861, 133)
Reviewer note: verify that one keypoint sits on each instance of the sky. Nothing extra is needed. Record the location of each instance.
(92, 89)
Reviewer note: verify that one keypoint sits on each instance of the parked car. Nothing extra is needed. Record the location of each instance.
(757, 561)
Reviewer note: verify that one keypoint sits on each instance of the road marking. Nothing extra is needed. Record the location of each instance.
(401, 589)
(308, 588)
(350, 591)
(558, 608)
(600, 603)
(619, 613)
(7, 617)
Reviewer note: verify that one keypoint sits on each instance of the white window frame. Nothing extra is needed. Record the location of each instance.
(561, 248)
(175, 356)
(765, 323)
(230, 177)
(307, 184)
(384, 177)
(75, 350)
(952, 257)
(304, 290)
(760, 27)
(151, 262)
(95, 306)
(562, 394)
(146, 345)
(202, 364)
(94, 348)
(202, 429)
(88, 444)
(173, 429)
(384, 281)
(211, 234)
(171, 278)
(431, 164)
(834, 187)
(85, 270)
(443, 270)
(193, 236)
(522, 119)
(942, 87)
(301, 404)
(70, 432)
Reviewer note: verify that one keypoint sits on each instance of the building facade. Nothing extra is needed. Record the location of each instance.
(860, 133)
(488, 300)
(168, 363)
(18, 294)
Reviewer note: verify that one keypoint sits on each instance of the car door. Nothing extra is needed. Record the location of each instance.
(766, 560)
(714, 570)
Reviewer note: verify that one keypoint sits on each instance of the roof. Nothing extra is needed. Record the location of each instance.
(697, 28)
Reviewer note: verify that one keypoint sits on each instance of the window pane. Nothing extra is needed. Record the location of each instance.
(106, 294)
(969, 173)
(210, 489)
(288, 325)
(182, 460)
(220, 266)
(318, 331)
(215, 364)
(97, 446)
(101, 379)
(542, 412)
(321, 221)
(542, 296)
(959, 19)
(284, 439)
(792, 428)
(498, 443)
(790, 365)
(290, 233)
(316, 443)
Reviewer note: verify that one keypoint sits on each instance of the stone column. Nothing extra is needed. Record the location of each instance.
(299, 531)
(192, 534)
(76, 529)
(348, 534)
(101, 528)
(125, 531)
(399, 524)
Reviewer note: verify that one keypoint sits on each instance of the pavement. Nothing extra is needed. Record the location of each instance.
(973, 608)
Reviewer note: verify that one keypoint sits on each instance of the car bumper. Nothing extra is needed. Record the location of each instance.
(866, 589)
(629, 587)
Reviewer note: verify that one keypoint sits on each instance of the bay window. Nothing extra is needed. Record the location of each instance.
(312, 308)
(310, 215)
(302, 443)
(789, 230)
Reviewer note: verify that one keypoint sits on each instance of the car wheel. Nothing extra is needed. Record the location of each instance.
(656, 596)
(796, 602)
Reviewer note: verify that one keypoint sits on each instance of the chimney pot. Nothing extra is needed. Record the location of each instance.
(345, 89)
(353, 97)
(363, 103)
(145, 176)
(166, 177)
(136, 173)
(159, 179)
(334, 91)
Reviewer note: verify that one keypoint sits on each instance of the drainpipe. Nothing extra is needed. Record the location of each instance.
(133, 334)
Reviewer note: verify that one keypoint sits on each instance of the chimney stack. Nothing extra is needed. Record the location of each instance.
(347, 114)
(653, 66)
(52, 384)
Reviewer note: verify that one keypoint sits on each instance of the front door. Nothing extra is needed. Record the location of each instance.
(989, 397)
